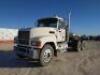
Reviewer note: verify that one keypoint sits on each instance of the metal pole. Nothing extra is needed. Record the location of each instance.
(68, 34)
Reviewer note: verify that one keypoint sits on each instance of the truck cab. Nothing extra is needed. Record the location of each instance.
(42, 42)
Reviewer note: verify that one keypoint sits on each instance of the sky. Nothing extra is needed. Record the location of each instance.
(85, 14)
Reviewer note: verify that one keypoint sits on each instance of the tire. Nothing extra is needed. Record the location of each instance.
(80, 46)
(83, 45)
(46, 55)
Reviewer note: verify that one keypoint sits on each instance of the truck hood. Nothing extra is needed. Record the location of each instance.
(42, 31)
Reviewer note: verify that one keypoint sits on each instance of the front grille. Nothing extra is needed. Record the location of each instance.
(24, 42)
(23, 37)
(23, 34)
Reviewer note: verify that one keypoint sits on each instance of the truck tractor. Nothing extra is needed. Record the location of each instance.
(44, 41)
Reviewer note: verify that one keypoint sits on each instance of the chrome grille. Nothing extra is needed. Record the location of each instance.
(25, 42)
(23, 37)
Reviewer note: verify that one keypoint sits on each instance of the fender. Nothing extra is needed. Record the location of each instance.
(47, 39)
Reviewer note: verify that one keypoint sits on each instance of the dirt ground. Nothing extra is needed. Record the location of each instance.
(86, 62)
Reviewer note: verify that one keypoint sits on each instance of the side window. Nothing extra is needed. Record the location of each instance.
(62, 25)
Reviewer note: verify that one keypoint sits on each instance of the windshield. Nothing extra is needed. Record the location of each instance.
(49, 22)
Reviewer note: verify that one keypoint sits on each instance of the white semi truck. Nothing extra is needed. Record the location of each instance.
(44, 41)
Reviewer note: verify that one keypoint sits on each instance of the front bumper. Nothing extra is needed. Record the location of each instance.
(27, 51)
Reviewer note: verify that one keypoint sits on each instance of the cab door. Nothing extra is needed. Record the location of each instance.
(61, 32)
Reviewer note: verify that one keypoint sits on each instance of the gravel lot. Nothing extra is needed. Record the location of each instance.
(86, 62)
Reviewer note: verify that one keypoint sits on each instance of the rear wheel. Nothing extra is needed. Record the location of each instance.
(79, 46)
(83, 45)
(46, 55)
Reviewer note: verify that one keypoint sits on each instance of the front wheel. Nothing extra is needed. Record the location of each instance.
(46, 55)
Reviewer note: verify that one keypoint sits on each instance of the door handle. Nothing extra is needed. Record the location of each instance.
(59, 30)
(51, 32)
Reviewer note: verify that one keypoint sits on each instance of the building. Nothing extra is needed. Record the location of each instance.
(7, 34)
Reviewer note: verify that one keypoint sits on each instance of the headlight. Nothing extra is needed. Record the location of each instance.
(35, 43)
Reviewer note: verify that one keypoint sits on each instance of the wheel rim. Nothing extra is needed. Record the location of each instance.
(47, 55)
